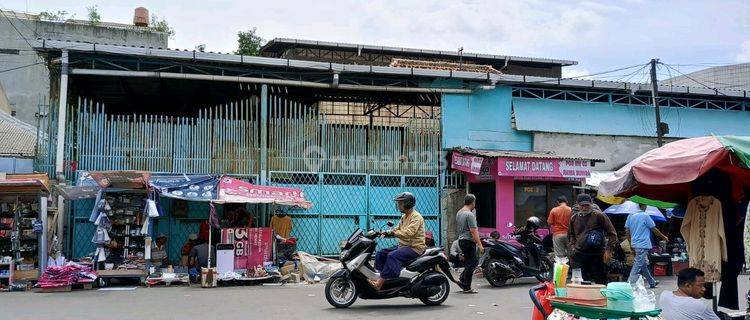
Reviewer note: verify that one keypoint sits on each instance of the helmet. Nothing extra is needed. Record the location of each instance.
(533, 223)
(407, 198)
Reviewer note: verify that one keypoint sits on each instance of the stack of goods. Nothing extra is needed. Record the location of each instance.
(120, 234)
(71, 273)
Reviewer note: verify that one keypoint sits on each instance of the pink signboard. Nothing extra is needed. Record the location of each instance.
(252, 246)
(238, 191)
(543, 168)
(466, 163)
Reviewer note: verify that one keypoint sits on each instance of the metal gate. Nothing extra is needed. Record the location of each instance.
(344, 202)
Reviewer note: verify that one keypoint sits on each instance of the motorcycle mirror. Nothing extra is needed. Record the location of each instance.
(389, 224)
(510, 225)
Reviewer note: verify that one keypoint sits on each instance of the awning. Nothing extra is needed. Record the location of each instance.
(22, 186)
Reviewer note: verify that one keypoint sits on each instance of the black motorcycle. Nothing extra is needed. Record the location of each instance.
(421, 278)
(504, 260)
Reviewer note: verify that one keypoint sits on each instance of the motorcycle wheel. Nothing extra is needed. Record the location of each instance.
(440, 297)
(546, 275)
(341, 292)
(492, 276)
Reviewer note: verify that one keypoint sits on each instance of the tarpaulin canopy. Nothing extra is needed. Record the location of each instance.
(630, 207)
(22, 186)
(192, 187)
(226, 189)
(664, 173)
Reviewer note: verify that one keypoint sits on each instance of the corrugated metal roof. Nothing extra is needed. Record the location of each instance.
(278, 44)
(16, 137)
(521, 154)
(42, 44)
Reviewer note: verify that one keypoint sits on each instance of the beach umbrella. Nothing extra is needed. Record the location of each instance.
(630, 207)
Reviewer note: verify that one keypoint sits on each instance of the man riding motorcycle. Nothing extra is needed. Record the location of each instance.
(411, 241)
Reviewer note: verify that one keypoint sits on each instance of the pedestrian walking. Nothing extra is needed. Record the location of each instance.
(638, 228)
(468, 241)
(559, 220)
(592, 239)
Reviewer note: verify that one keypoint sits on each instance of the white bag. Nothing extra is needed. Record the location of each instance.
(151, 208)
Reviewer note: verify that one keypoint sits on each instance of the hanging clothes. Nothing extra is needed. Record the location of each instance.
(703, 231)
(282, 225)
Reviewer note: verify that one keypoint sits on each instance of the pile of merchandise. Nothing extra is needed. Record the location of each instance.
(71, 273)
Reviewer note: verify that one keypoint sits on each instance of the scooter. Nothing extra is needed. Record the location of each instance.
(420, 279)
(505, 260)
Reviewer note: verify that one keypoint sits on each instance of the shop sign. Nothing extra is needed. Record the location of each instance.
(466, 163)
(543, 168)
(252, 246)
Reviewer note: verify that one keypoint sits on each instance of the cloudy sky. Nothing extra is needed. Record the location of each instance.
(601, 35)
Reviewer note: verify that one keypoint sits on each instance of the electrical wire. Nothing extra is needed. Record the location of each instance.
(693, 79)
(21, 67)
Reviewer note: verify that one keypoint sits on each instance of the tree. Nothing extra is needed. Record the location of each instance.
(94, 17)
(161, 26)
(249, 43)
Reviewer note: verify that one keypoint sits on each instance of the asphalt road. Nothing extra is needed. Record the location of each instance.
(297, 302)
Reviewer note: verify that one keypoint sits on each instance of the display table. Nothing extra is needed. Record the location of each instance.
(603, 312)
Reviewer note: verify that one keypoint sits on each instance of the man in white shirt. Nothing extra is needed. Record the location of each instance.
(686, 303)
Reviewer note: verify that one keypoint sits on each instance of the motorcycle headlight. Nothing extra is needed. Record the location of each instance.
(342, 245)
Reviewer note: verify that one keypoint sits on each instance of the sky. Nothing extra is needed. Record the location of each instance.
(600, 35)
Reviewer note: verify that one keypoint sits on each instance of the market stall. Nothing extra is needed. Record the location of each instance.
(23, 230)
(122, 237)
(710, 178)
(244, 253)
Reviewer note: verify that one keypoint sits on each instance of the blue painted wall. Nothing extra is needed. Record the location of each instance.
(482, 120)
(625, 120)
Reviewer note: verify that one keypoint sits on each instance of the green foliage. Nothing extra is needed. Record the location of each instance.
(59, 16)
(94, 17)
(249, 43)
(161, 25)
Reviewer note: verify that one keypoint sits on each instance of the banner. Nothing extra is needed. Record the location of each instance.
(543, 168)
(252, 246)
(466, 163)
(234, 190)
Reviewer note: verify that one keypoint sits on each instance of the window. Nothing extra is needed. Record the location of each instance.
(530, 200)
(536, 199)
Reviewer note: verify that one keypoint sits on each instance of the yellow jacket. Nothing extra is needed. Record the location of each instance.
(410, 232)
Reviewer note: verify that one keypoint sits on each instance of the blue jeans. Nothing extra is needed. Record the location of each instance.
(640, 267)
(389, 261)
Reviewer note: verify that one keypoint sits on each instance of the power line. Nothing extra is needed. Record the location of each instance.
(693, 79)
(14, 27)
(21, 67)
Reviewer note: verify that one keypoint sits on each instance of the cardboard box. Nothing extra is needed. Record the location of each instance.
(287, 268)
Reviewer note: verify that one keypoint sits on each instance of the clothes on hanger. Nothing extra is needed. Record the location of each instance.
(703, 231)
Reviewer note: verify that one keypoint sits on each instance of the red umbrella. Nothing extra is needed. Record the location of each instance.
(665, 173)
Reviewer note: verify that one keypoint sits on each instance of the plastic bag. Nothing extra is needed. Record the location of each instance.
(151, 209)
(643, 299)
(560, 275)
(316, 270)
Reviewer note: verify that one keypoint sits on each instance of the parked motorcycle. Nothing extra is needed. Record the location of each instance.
(505, 260)
(425, 278)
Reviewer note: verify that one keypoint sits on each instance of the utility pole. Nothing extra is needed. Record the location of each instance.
(654, 97)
